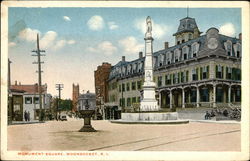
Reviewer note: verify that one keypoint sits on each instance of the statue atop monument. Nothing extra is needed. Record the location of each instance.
(149, 28)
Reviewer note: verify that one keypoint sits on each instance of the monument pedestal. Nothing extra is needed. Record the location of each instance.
(87, 127)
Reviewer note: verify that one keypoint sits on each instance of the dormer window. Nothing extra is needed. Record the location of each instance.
(185, 52)
(228, 47)
(195, 49)
(134, 67)
(168, 58)
(183, 41)
(176, 55)
(161, 59)
(237, 50)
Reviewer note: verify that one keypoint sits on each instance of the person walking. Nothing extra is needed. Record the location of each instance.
(25, 115)
(28, 116)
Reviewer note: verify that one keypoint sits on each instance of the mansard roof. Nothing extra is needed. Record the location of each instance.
(187, 24)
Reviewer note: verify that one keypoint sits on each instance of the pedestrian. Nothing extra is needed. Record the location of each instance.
(207, 115)
(28, 116)
(25, 115)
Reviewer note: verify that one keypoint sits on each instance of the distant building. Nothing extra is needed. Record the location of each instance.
(101, 86)
(199, 70)
(87, 101)
(75, 95)
(26, 98)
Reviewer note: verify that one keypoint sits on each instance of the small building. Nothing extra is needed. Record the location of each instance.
(28, 100)
(87, 101)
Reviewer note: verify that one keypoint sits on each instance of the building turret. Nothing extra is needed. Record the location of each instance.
(187, 30)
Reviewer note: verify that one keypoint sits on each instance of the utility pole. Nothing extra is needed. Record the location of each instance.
(38, 51)
(59, 87)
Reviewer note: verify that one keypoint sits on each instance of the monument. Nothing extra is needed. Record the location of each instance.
(150, 112)
(148, 102)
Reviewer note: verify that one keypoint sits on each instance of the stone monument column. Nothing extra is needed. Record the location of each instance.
(148, 102)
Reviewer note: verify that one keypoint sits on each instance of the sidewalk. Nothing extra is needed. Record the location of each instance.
(26, 122)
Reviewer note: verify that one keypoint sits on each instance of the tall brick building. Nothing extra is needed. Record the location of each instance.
(101, 87)
(75, 95)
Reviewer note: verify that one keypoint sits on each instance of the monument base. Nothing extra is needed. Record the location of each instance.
(149, 105)
(87, 128)
(150, 118)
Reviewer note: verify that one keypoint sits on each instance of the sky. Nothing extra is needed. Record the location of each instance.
(77, 40)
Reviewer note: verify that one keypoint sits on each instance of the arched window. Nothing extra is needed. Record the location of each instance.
(134, 67)
(228, 47)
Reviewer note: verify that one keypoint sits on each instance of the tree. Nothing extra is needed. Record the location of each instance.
(66, 104)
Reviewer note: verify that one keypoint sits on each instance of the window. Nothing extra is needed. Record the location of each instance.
(28, 100)
(195, 48)
(134, 67)
(204, 95)
(186, 76)
(204, 72)
(228, 73)
(128, 102)
(128, 86)
(219, 71)
(193, 95)
(183, 41)
(123, 87)
(237, 50)
(167, 80)
(161, 59)
(194, 75)
(133, 100)
(176, 55)
(185, 53)
(182, 77)
(36, 100)
(228, 47)
(159, 81)
(138, 85)
(176, 79)
(138, 99)
(219, 94)
(133, 85)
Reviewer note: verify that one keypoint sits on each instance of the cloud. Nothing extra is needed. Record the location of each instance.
(71, 42)
(66, 18)
(48, 40)
(112, 25)
(105, 47)
(59, 44)
(28, 34)
(130, 45)
(158, 30)
(12, 44)
(227, 29)
(95, 23)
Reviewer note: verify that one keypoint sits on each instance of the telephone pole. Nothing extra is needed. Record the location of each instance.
(59, 87)
(38, 51)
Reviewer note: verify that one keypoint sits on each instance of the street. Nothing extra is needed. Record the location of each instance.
(64, 135)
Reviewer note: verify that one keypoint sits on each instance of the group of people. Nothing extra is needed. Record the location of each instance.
(209, 115)
(26, 115)
(217, 112)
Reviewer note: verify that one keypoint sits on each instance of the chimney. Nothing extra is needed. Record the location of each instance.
(165, 45)
(240, 36)
(15, 82)
(140, 54)
(123, 58)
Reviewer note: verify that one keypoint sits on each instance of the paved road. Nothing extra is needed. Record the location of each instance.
(194, 136)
